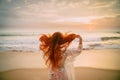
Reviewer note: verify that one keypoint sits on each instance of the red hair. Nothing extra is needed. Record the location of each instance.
(51, 45)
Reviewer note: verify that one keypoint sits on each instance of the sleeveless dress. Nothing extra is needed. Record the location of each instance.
(66, 72)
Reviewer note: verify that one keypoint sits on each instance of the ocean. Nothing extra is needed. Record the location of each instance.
(29, 41)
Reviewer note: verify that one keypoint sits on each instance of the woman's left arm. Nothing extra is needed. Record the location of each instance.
(75, 51)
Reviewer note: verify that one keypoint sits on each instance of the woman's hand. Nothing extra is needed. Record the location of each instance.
(80, 38)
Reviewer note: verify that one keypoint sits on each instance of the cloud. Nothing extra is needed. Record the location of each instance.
(107, 22)
(102, 3)
(59, 8)
(67, 8)
(41, 12)
(105, 7)
(70, 8)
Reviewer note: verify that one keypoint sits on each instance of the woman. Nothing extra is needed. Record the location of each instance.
(55, 53)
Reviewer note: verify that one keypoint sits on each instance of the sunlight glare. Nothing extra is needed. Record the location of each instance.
(84, 20)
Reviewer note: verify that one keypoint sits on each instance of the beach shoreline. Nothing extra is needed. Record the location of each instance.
(101, 59)
(89, 65)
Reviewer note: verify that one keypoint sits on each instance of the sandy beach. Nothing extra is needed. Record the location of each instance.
(41, 74)
(90, 65)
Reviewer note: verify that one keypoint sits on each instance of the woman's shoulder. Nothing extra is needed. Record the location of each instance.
(72, 52)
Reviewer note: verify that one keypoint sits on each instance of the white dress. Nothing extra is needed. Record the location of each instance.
(69, 63)
(67, 71)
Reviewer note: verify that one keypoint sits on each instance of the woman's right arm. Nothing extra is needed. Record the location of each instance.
(79, 50)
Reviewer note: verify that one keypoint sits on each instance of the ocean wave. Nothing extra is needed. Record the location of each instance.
(91, 39)
(118, 32)
(104, 46)
(29, 41)
(35, 47)
(109, 38)
(17, 34)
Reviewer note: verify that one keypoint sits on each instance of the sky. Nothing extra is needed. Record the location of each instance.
(63, 14)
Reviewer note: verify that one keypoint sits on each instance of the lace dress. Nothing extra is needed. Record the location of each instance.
(66, 72)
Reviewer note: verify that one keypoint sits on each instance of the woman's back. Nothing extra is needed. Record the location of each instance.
(60, 73)
(67, 64)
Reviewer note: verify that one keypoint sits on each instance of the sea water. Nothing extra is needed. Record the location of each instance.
(29, 41)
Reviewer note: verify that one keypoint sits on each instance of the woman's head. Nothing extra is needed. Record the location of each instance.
(56, 38)
(51, 45)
